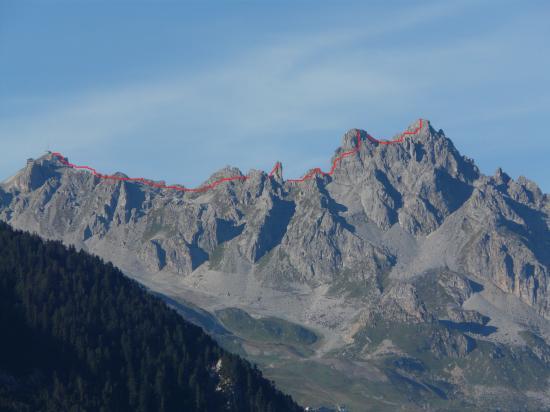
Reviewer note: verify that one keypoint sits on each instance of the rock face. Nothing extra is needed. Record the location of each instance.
(388, 216)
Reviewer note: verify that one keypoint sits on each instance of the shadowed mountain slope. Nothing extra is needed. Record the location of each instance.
(78, 335)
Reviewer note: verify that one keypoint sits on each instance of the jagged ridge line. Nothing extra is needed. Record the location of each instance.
(277, 166)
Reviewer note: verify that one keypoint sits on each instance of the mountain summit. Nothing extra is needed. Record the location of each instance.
(407, 259)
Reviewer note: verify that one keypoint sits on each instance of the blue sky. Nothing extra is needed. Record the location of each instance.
(176, 90)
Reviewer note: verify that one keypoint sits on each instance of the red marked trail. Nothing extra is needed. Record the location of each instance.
(212, 185)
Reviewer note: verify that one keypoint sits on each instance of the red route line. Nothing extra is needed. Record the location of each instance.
(277, 166)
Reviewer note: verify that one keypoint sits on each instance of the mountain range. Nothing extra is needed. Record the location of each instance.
(407, 279)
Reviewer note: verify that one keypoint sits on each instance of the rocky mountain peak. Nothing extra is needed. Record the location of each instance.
(420, 145)
(226, 171)
(349, 140)
(35, 173)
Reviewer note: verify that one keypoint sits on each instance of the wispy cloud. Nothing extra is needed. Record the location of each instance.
(288, 81)
(297, 85)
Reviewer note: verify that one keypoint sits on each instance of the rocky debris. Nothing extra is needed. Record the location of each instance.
(401, 304)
